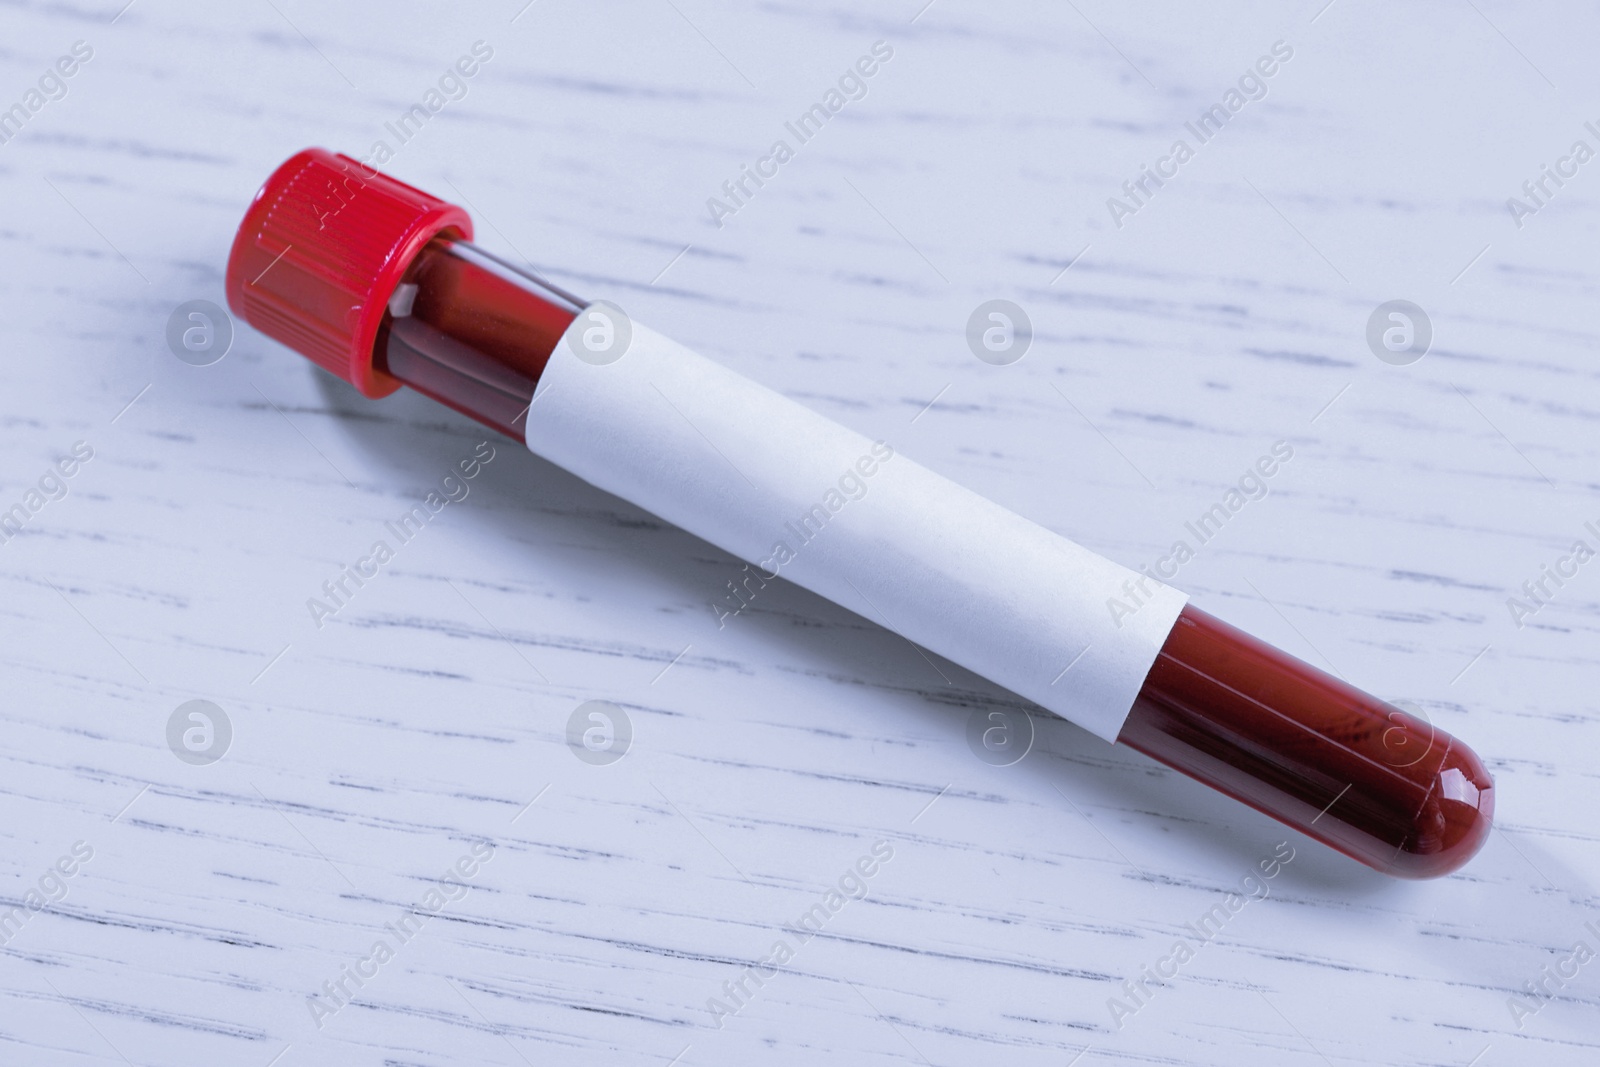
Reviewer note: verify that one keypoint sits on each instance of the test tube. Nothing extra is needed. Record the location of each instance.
(435, 313)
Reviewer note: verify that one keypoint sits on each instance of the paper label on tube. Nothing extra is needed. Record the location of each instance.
(853, 520)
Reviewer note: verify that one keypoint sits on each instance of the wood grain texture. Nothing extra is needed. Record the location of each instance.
(430, 714)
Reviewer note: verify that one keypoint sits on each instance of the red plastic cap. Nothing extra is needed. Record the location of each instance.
(319, 253)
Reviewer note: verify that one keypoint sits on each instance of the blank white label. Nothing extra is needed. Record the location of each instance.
(795, 493)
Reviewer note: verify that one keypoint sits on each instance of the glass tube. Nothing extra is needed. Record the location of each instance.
(1337, 764)
(472, 331)
(1344, 767)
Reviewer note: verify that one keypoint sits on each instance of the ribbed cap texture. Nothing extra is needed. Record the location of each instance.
(321, 250)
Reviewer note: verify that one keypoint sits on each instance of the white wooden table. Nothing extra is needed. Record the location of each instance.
(429, 716)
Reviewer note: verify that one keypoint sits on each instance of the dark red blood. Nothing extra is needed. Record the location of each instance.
(1344, 767)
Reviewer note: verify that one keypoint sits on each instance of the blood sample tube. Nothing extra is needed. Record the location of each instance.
(380, 284)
